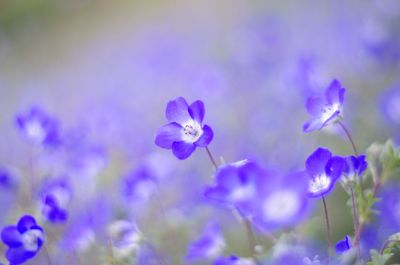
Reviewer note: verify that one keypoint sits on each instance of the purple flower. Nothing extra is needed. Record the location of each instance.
(236, 184)
(354, 167)
(125, 237)
(23, 240)
(232, 260)
(281, 200)
(139, 185)
(185, 130)
(389, 207)
(208, 245)
(325, 110)
(343, 245)
(39, 127)
(323, 170)
(55, 199)
(6, 180)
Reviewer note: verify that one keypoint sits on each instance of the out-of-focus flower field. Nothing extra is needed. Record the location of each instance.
(199, 132)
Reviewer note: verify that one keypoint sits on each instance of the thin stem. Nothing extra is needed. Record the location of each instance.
(349, 137)
(211, 158)
(355, 218)
(252, 240)
(47, 255)
(386, 244)
(327, 227)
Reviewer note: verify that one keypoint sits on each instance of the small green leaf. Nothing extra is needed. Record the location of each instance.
(378, 259)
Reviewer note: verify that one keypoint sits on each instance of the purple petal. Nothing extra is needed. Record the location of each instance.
(168, 134)
(315, 105)
(11, 236)
(19, 255)
(317, 161)
(183, 150)
(343, 245)
(313, 125)
(334, 167)
(335, 93)
(178, 111)
(206, 137)
(197, 111)
(25, 223)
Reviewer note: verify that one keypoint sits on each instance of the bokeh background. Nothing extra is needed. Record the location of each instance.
(106, 69)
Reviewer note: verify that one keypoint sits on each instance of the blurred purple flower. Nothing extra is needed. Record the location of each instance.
(39, 127)
(139, 185)
(354, 167)
(55, 198)
(23, 240)
(343, 245)
(236, 184)
(390, 104)
(6, 180)
(325, 110)
(232, 260)
(125, 237)
(389, 207)
(185, 131)
(323, 170)
(208, 245)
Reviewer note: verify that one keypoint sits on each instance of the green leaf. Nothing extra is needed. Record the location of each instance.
(378, 259)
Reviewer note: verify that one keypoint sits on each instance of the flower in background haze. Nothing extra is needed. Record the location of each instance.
(343, 245)
(353, 167)
(55, 199)
(232, 260)
(39, 127)
(323, 170)
(325, 110)
(125, 237)
(139, 185)
(185, 131)
(23, 240)
(208, 245)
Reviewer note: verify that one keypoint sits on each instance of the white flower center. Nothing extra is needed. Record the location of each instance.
(216, 248)
(281, 205)
(319, 183)
(328, 111)
(30, 239)
(35, 131)
(242, 193)
(191, 131)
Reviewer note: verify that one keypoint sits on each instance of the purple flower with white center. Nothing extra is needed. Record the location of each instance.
(325, 110)
(23, 240)
(125, 237)
(185, 130)
(236, 184)
(343, 245)
(55, 199)
(139, 185)
(208, 245)
(353, 168)
(39, 127)
(232, 260)
(323, 170)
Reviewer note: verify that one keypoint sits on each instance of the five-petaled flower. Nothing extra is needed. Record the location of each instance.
(23, 240)
(343, 245)
(325, 110)
(185, 130)
(323, 170)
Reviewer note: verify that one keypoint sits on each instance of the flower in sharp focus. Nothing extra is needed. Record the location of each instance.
(23, 240)
(233, 260)
(353, 168)
(236, 184)
(208, 245)
(185, 130)
(323, 170)
(39, 127)
(343, 245)
(325, 110)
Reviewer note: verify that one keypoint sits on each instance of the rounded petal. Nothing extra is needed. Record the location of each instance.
(11, 236)
(313, 125)
(206, 138)
(343, 245)
(19, 255)
(316, 162)
(183, 150)
(25, 223)
(315, 105)
(178, 111)
(334, 167)
(335, 93)
(168, 134)
(197, 111)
